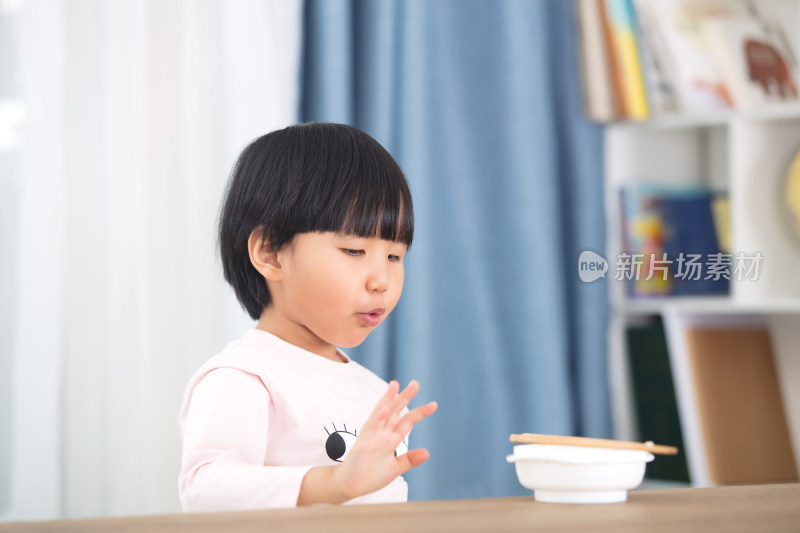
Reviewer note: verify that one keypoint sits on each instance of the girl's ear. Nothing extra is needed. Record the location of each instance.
(263, 257)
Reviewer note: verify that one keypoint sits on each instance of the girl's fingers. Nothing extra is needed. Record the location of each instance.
(382, 408)
(388, 411)
(403, 427)
(412, 458)
(402, 400)
(389, 396)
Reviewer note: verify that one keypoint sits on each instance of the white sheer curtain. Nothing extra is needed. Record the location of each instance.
(135, 112)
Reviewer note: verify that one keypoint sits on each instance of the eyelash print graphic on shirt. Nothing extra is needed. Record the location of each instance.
(401, 448)
(340, 442)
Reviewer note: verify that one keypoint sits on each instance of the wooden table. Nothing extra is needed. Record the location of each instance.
(762, 508)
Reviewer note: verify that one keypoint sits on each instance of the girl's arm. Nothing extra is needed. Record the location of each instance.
(224, 428)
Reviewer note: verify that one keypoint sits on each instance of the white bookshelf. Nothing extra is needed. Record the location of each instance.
(747, 155)
(720, 118)
(722, 305)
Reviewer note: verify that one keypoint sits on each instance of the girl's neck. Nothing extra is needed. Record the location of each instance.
(296, 334)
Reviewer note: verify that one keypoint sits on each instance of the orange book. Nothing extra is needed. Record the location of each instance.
(613, 63)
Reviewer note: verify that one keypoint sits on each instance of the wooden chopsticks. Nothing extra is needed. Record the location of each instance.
(533, 438)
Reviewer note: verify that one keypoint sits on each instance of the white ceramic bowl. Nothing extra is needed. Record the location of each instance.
(573, 474)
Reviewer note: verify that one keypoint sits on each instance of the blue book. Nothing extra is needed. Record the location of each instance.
(688, 229)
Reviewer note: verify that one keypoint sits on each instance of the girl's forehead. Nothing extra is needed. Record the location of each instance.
(332, 237)
(355, 237)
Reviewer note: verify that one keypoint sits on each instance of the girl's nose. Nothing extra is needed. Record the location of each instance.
(378, 279)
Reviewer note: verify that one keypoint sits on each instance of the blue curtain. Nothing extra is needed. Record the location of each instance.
(479, 101)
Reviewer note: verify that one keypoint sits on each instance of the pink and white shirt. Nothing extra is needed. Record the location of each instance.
(257, 416)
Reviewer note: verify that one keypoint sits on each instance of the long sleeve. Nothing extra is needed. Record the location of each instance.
(225, 431)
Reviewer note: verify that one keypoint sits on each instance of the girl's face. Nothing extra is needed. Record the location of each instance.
(334, 290)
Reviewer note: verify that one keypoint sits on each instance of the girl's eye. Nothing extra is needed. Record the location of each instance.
(354, 253)
(394, 258)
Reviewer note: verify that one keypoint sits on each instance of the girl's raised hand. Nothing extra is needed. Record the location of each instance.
(372, 463)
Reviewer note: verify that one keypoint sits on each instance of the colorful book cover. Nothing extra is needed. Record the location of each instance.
(659, 223)
(643, 237)
(627, 50)
(620, 105)
(753, 62)
(700, 85)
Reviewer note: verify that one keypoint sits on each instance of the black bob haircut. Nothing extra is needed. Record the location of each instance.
(306, 178)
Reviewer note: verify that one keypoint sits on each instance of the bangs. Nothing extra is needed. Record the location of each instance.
(354, 187)
(372, 215)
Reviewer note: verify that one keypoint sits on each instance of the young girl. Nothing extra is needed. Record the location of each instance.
(313, 230)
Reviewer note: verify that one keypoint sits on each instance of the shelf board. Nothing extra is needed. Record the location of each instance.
(714, 118)
(706, 305)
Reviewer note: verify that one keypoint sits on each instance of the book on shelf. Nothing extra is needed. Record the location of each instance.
(667, 56)
(698, 81)
(598, 87)
(656, 408)
(690, 233)
(614, 66)
(751, 57)
(721, 212)
(671, 241)
(600, 64)
(739, 404)
(643, 239)
(626, 48)
(659, 73)
(793, 193)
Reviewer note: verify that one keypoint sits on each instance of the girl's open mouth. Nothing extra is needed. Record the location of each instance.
(372, 318)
